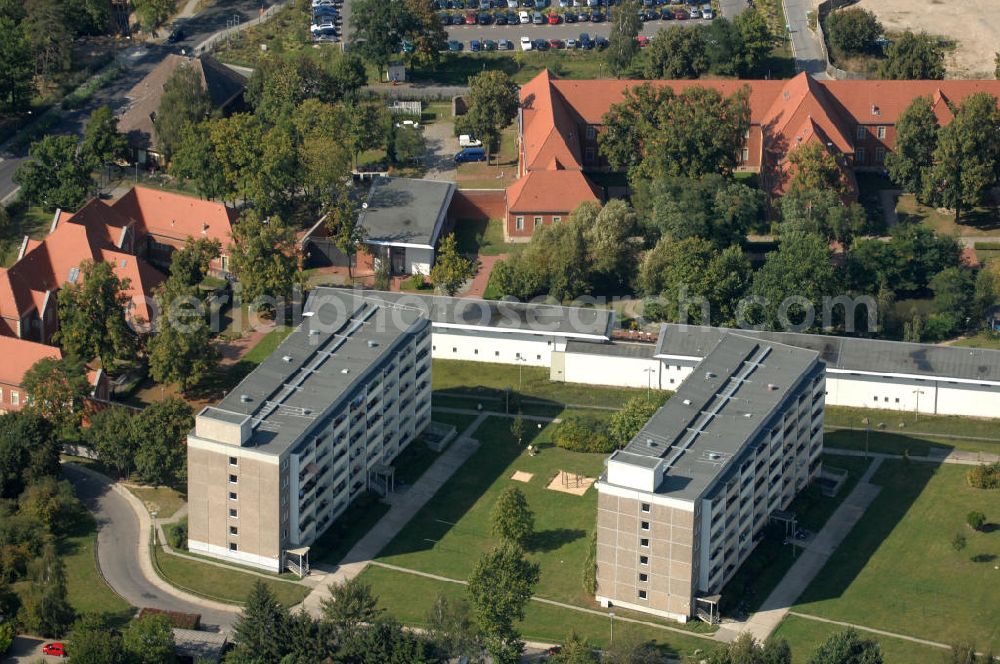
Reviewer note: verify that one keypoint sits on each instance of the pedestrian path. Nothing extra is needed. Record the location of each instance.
(810, 562)
(958, 457)
(402, 509)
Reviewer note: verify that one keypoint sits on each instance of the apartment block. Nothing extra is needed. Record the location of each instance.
(313, 427)
(684, 503)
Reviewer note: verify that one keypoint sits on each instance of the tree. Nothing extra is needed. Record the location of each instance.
(380, 27)
(56, 176)
(814, 167)
(452, 630)
(6, 636)
(44, 609)
(800, 268)
(726, 47)
(965, 653)
(427, 34)
(629, 648)
(907, 262)
(150, 640)
(757, 41)
(953, 296)
(152, 13)
(111, 436)
(675, 54)
(29, 451)
(57, 388)
(966, 160)
(609, 232)
(511, 519)
(407, 144)
(451, 270)
(368, 125)
(500, 586)
(575, 650)
(623, 43)
(823, 212)
(853, 31)
(347, 76)
(676, 272)
(847, 647)
(92, 315)
(189, 265)
(161, 431)
(384, 641)
(16, 67)
(975, 519)
(48, 36)
(343, 225)
(916, 139)
(53, 504)
(986, 294)
(180, 349)
(913, 57)
(93, 641)
(102, 142)
(747, 650)
(517, 428)
(276, 87)
(264, 256)
(261, 630)
(996, 63)
(351, 605)
(627, 422)
(194, 160)
(493, 102)
(558, 258)
(184, 102)
(324, 151)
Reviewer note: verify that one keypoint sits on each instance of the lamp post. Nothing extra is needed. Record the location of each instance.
(649, 380)
(916, 405)
(612, 616)
(520, 366)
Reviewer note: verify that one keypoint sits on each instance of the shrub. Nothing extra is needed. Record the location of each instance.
(984, 476)
(975, 519)
(6, 636)
(177, 534)
(416, 282)
(853, 31)
(958, 542)
(583, 434)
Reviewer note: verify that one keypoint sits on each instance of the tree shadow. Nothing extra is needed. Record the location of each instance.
(983, 558)
(990, 528)
(552, 539)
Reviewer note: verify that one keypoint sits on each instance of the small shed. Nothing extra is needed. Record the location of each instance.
(396, 72)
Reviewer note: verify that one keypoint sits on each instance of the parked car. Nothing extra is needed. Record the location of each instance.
(505, 45)
(707, 13)
(526, 44)
(556, 44)
(695, 12)
(454, 45)
(176, 35)
(466, 155)
(512, 18)
(489, 45)
(475, 46)
(585, 41)
(525, 18)
(457, 19)
(323, 28)
(484, 19)
(554, 19)
(541, 45)
(572, 43)
(569, 17)
(500, 19)
(537, 19)
(643, 40)
(666, 14)
(601, 43)
(650, 15)
(597, 17)
(54, 649)
(470, 19)
(681, 15)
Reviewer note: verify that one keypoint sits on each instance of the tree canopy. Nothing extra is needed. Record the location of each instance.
(451, 269)
(622, 43)
(57, 175)
(184, 101)
(913, 57)
(500, 586)
(853, 31)
(916, 140)
(512, 519)
(92, 313)
(493, 101)
(264, 257)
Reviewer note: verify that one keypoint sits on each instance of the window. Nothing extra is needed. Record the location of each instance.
(880, 131)
(232, 495)
(862, 132)
(225, 263)
(15, 398)
(454, 349)
(876, 399)
(859, 155)
(886, 399)
(232, 479)
(232, 512)
(519, 223)
(644, 542)
(233, 530)
(233, 547)
(644, 577)
(591, 132)
(642, 594)
(643, 560)
(645, 508)
(496, 353)
(897, 399)
(879, 155)
(746, 154)
(233, 461)
(556, 220)
(538, 357)
(475, 351)
(538, 222)
(589, 155)
(645, 525)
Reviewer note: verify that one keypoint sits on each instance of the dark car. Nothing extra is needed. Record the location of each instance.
(681, 15)
(444, 18)
(484, 18)
(500, 19)
(489, 45)
(176, 35)
(601, 43)
(583, 17)
(475, 46)
(585, 41)
(540, 45)
(569, 17)
(651, 15)
(470, 154)
(457, 19)
(454, 45)
(597, 17)
(666, 14)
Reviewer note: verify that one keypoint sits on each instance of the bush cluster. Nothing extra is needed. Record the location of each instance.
(984, 476)
(583, 434)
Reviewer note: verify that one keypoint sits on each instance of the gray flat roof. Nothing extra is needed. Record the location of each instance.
(473, 314)
(316, 368)
(731, 396)
(614, 349)
(849, 353)
(405, 211)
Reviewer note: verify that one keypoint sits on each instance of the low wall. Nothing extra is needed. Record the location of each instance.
(823, 11)
(478, 204)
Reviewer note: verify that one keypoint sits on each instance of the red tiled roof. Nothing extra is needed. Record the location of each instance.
(19, 356)
(550, 191)
(175, 216)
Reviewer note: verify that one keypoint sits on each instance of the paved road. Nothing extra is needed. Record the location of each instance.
(138, 61)
(564, 31)
(806, 49)
(118, 551)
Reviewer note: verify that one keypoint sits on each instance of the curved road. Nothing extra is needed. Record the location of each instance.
(118, 551)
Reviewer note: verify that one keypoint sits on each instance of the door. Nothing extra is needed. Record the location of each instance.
(398, 260)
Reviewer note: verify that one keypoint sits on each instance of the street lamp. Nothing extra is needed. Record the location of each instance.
(521, 361)
(916, 405)
(649, 380)
(612, 616)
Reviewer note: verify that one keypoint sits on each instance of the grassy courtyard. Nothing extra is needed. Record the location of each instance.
(86, 589)
(803, 635)
(476, 237)
(897, 569)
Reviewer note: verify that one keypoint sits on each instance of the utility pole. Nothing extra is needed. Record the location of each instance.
(649, 380)
(916, 405)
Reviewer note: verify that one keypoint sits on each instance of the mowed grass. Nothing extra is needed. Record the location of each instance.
(981, 340)
(163, 500)
(447, 536)
(897, 570)
(542, 622)
(219, 583)
(903, 443)
(804, 636)
(904, 421)
(86, 589)
(489, 380)
(477, 237)
(981, 221)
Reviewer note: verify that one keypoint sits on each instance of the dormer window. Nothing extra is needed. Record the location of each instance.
(875, 110)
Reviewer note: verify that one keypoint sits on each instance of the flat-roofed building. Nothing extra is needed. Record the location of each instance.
(685, 502)
(313, 427)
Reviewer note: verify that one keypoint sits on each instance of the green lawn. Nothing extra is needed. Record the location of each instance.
(459, 421)
(87, 591)
(803, 635)
(483, 238)
(456, 68)
(219, 583)
(268, 344)
(981, 340)
(897, 570)
(543, 622)
(982, 221)
(31, 221)
(933, 424)
(769, 562)
(162, 500)
(347, 529)
(489, 380)
(501, 170)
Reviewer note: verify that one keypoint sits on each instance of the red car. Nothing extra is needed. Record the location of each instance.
(470, 19)
(643, 40)
(556, 43)
(554, 19)
(55, 649)
(681, 15)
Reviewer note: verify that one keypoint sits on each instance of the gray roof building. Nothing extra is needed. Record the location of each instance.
(406, 212)
(848, 354)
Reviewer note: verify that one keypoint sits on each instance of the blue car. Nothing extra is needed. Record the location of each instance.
(475, 46)
(470, 155)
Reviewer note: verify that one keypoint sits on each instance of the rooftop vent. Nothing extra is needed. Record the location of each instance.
(772, 387)
(709, 375)
(748, 415)
(313, 333)
(714, 456)
(345, 371)
(372, 343)
(286, 358)
(686, 402)
(650, 442)
(245, 398)
(875, 110)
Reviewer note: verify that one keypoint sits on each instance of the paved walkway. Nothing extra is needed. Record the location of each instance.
(402, 508)
(887, 198)
(477, 286)
(958, 457)
(806, 47)
(810, 562)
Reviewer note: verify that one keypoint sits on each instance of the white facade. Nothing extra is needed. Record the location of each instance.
(496, 347)
(419, 260)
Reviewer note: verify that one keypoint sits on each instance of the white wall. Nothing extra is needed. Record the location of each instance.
(500, 348)
(622, 371)
(419, 261)
(937, 397)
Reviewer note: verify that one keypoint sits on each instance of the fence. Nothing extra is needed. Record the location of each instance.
(398, 107)
(214, 39)
(823, 11)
